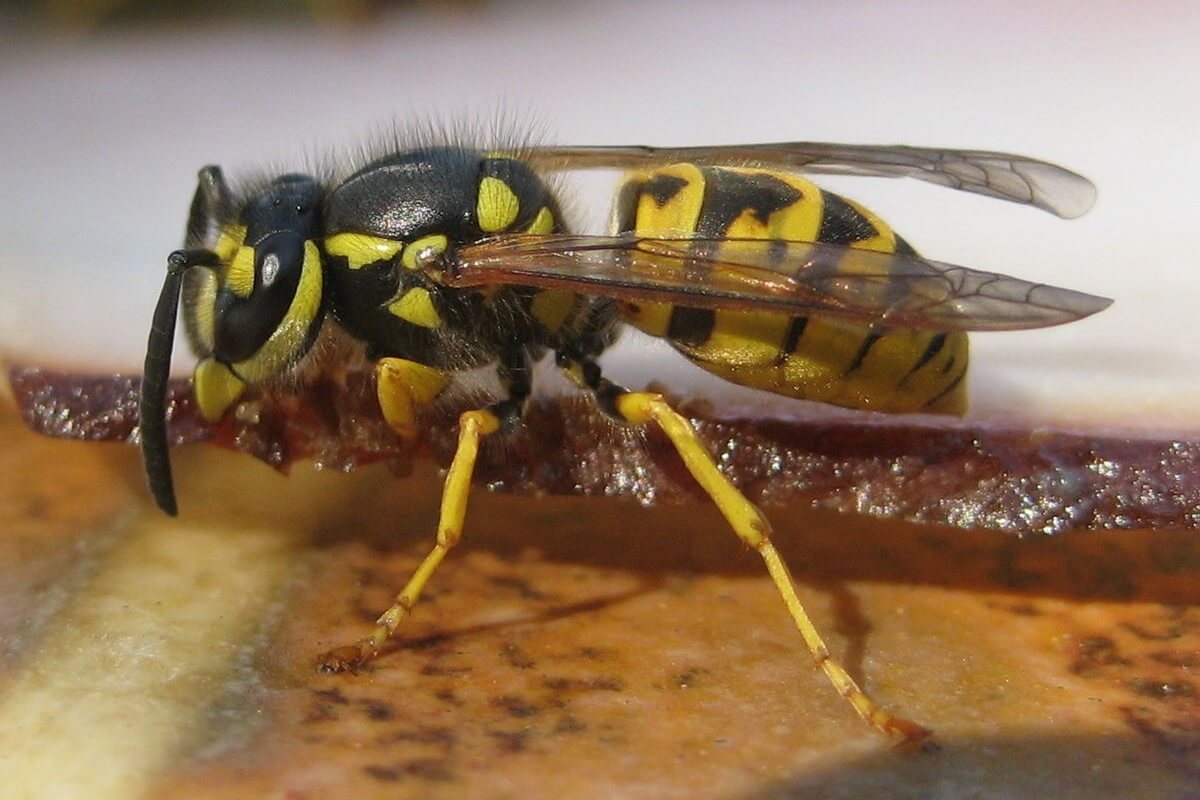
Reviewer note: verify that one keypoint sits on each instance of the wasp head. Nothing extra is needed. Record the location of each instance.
(252, 310)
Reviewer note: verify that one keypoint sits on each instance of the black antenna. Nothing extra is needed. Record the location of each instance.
(156, 373)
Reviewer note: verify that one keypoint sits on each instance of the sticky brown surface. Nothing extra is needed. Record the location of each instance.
(593, 648)
(918, 469)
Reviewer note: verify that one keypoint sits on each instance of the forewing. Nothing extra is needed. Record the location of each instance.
(795, 278)
(1001, 175)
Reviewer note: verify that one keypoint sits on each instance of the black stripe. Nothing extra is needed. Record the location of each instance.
(947, 366)
(932, 349)
(663, 188)
(691, 326)
(792, 339)
(863, 349)
(841, 224)
(777, 251)
(903, 248)
(729, 194)
(950, 387)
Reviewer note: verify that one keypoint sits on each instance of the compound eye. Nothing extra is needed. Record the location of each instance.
(251, 307)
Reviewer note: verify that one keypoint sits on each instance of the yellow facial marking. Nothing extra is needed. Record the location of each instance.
(543, 223)
(360, 249)
(239, 278)
(416, 306)
(436, 243)
(497, 207)
(215, 389)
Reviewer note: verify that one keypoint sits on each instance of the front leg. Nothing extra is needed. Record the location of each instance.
(515, 372)
(403, 388)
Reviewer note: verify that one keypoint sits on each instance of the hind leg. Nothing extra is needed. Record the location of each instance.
(643, 408)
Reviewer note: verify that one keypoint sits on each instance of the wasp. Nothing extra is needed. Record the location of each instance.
(442, 258)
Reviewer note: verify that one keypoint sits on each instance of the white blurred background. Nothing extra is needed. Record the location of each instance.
(102, 131)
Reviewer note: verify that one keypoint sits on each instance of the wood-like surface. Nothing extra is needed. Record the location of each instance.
(574, 647)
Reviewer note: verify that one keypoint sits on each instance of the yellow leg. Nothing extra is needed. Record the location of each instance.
(748, 523)
(473, 426)
(403, 386)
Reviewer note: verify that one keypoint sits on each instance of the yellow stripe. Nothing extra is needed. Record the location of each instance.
(359, 249)
(679, 215)
(651, 318)
(800, 221)
(744, 338)
(543, 223)
(497, 207)
(884, 241)
(675, 218)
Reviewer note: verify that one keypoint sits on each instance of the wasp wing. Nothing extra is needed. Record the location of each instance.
(1002, 175)
(795, 278)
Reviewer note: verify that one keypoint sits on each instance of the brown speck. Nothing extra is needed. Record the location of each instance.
(377, 710)
(1173, 658)
(387, 774)
(569, 724)
(1093, 653)
(444, 737)
(687, 679)
(1180, 739)
(425, 769)
(427, 642)
(1165, 634)
(1025, 609)
(516, 706)
(512, 741)
(606, 684)
(333, 695)
(448, 697)
(521, 586)
(516, 656)
(430, 769)
(1147, 687)
(438, 669)
(601, 684)
(321, 712)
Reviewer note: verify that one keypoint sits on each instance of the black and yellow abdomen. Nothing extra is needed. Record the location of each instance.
(813, 358)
